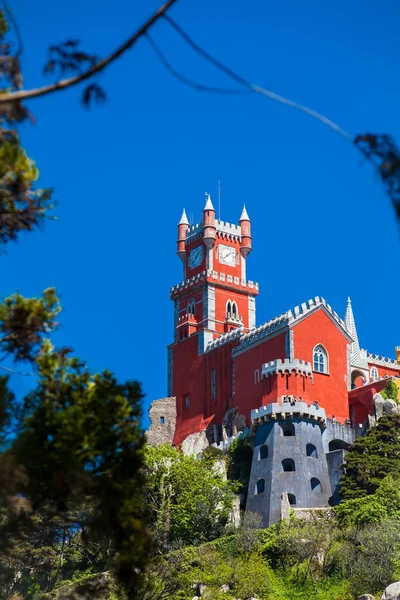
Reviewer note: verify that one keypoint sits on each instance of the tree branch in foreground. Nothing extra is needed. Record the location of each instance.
(100, 66)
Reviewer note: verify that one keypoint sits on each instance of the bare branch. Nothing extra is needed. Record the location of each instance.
(253, 87)
(183, 79)
(17, 30)
(100, 66)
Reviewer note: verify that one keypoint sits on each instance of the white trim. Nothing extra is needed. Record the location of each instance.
(326, 359)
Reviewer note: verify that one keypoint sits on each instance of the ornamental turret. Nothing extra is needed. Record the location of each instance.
(209, 228)
(183, 226)
(245, 246)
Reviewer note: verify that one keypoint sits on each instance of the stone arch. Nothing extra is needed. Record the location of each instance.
(316, 485)
(358, 378)
(260, 487)
(292, 499)
(287, 429)
(263, 452)
(311, 451)
(288, 464)
(338, 445)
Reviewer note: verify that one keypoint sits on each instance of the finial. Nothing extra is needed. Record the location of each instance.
(244, 216)
(184, 219)
(208, 205)
(348, 300)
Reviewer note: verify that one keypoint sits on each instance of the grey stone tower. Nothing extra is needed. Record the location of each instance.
(290, 456)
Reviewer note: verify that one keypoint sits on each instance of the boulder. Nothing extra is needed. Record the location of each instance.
(195, 443)
(392, 592)
(384, 406)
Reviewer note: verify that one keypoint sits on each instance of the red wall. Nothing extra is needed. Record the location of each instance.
(248, 393)
(330, 390)
(389, 371)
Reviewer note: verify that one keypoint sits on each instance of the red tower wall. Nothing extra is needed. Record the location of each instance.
(329, 389)
(383, 370)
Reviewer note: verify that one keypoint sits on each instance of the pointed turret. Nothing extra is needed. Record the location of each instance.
(184, 219)
(356, 359)
(183, 226)
(209, 229)
(245, 245)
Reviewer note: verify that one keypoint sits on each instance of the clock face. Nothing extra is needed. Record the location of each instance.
(227, 255)
(195, 257)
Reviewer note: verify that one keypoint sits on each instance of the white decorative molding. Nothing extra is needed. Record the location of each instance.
(252, 312)
(376, 359)
(200, 277)
(281, 366)
(275, 411)
(225, 338)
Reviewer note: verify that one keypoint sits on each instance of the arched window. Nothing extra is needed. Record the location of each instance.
(288, 465)
(320, 359)
(191, 308)
(292, 499)
(311, 451)
(234, 310)
(260, 487)
(316, 485)
(287, 429)
(374, 374)
(257, 376)
(263, 452)
(228, 309)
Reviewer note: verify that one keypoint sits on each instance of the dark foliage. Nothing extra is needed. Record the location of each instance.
(371, 458)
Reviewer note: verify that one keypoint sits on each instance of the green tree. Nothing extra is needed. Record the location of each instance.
(391, 391)
(189, 499)
(371, 458)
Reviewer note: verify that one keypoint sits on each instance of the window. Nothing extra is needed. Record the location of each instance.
(187, 402)
(316, 485)
(234, 310)
(257, 376)
(162, 420)
(263, 452)
(311, 451)
(292, 499)
(287, 429)
(260, 487)
(288, 465)
(228, 309)
(213, 383)
(374, 374)
(320, 359)
(191, 308)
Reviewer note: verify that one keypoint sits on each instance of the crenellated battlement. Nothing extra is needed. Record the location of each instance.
(282, 366)
(281, 412)
(225, 338)
(215, 276)
(304, 308)
(379, 360)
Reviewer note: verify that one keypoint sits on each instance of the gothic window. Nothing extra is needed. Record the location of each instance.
(320, 359)
(191, 308)
(311, 451)
(374, 374)
(257, 376)
(288, 465)
(234, 310)
(260, 487)
(263, 452)
(228, 309)
(287, 429)
(213, 383)
(316, 485)
(162, 420)
(292, 499)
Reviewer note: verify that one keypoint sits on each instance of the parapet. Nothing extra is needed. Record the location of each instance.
(282, 366)
(225, 338)
(301, 410)
(376, 359)
(215, 276)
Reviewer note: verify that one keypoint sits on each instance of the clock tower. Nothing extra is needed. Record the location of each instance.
(213, 299)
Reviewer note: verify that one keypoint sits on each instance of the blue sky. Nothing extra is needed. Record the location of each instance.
(122, 172)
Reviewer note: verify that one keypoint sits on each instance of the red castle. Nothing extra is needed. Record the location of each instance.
(220, 360)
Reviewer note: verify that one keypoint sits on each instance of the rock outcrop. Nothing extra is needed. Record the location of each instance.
(392, 592)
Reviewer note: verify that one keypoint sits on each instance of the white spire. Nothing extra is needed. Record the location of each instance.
(208, 205)
(244, 216)
(356, 360)
(184, 219)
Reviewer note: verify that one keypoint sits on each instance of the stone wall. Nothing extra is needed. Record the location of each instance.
(162, 414)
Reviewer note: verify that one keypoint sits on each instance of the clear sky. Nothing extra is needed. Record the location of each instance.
(122, 173)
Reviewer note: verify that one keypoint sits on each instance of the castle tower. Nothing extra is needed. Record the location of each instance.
(214, 298)
(359, 371)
